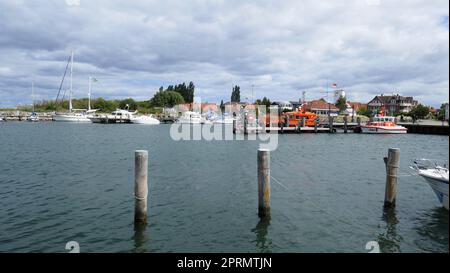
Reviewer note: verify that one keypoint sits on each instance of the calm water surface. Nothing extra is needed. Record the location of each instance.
(61, 182)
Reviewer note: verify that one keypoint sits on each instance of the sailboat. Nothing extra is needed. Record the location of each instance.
(75, 115)
(34, 116)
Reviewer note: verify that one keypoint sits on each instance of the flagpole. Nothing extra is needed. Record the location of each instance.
(89, 95)
(32, 93)
(71, 80)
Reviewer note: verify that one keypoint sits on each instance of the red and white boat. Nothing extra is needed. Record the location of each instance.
(382, 124)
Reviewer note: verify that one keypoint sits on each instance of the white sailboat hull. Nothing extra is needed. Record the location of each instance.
(70, 118)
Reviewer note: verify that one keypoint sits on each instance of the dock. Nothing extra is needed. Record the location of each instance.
(22, 115)
(426, 129)
(284, 130)
(287, 130)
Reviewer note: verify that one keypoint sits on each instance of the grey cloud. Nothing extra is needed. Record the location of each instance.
(280, 47)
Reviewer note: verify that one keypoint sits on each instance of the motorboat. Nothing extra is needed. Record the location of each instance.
(224, 119)
(190, 117)
(33, 117)
(144, 119)
(209, 117)
(382, 124)
(117, 116)
(436, 175)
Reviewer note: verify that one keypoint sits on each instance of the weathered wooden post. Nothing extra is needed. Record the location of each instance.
(140, 186)
(331, 124)
(245, 123)
(234, 122)
(263, 183)
(316, 124)
(345, 124)
(392, 164)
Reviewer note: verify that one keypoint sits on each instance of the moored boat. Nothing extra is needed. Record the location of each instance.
(224, 119)
(382, 124)
(190, 117)
(33, 117)
(75, 115)
(436, 176)
(118, 116)
(144, 119)
(72, 117)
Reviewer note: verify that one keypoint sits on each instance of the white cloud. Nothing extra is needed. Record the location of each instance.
(279, 47)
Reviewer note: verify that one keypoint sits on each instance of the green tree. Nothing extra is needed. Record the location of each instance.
(236, 94)
(341, 103)
(222, 106)
(190, 92)
(130, 102)
(166, 99)
(104, 105)
(419, 112)
(364, 112)
(441, 114)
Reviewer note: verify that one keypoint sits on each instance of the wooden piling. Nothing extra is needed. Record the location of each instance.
(316, 124)
(331, 124)
(345, 124)
(245, 123)
(392, 164)
(234, 122)
(140, 185)
(263, 183)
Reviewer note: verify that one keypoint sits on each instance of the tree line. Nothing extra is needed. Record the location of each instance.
(101, 104)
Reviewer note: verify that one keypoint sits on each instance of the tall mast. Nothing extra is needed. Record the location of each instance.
(32, 93)
(71, 80)
(252, 96)
(89, 95)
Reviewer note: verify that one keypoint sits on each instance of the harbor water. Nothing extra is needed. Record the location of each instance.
(62, 182)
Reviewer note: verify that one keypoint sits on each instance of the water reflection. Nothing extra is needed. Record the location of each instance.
(389, 240)
(140, 237)
(432, 226)
(262, 242)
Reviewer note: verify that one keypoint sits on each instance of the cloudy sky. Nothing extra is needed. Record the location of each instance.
(280, 47)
